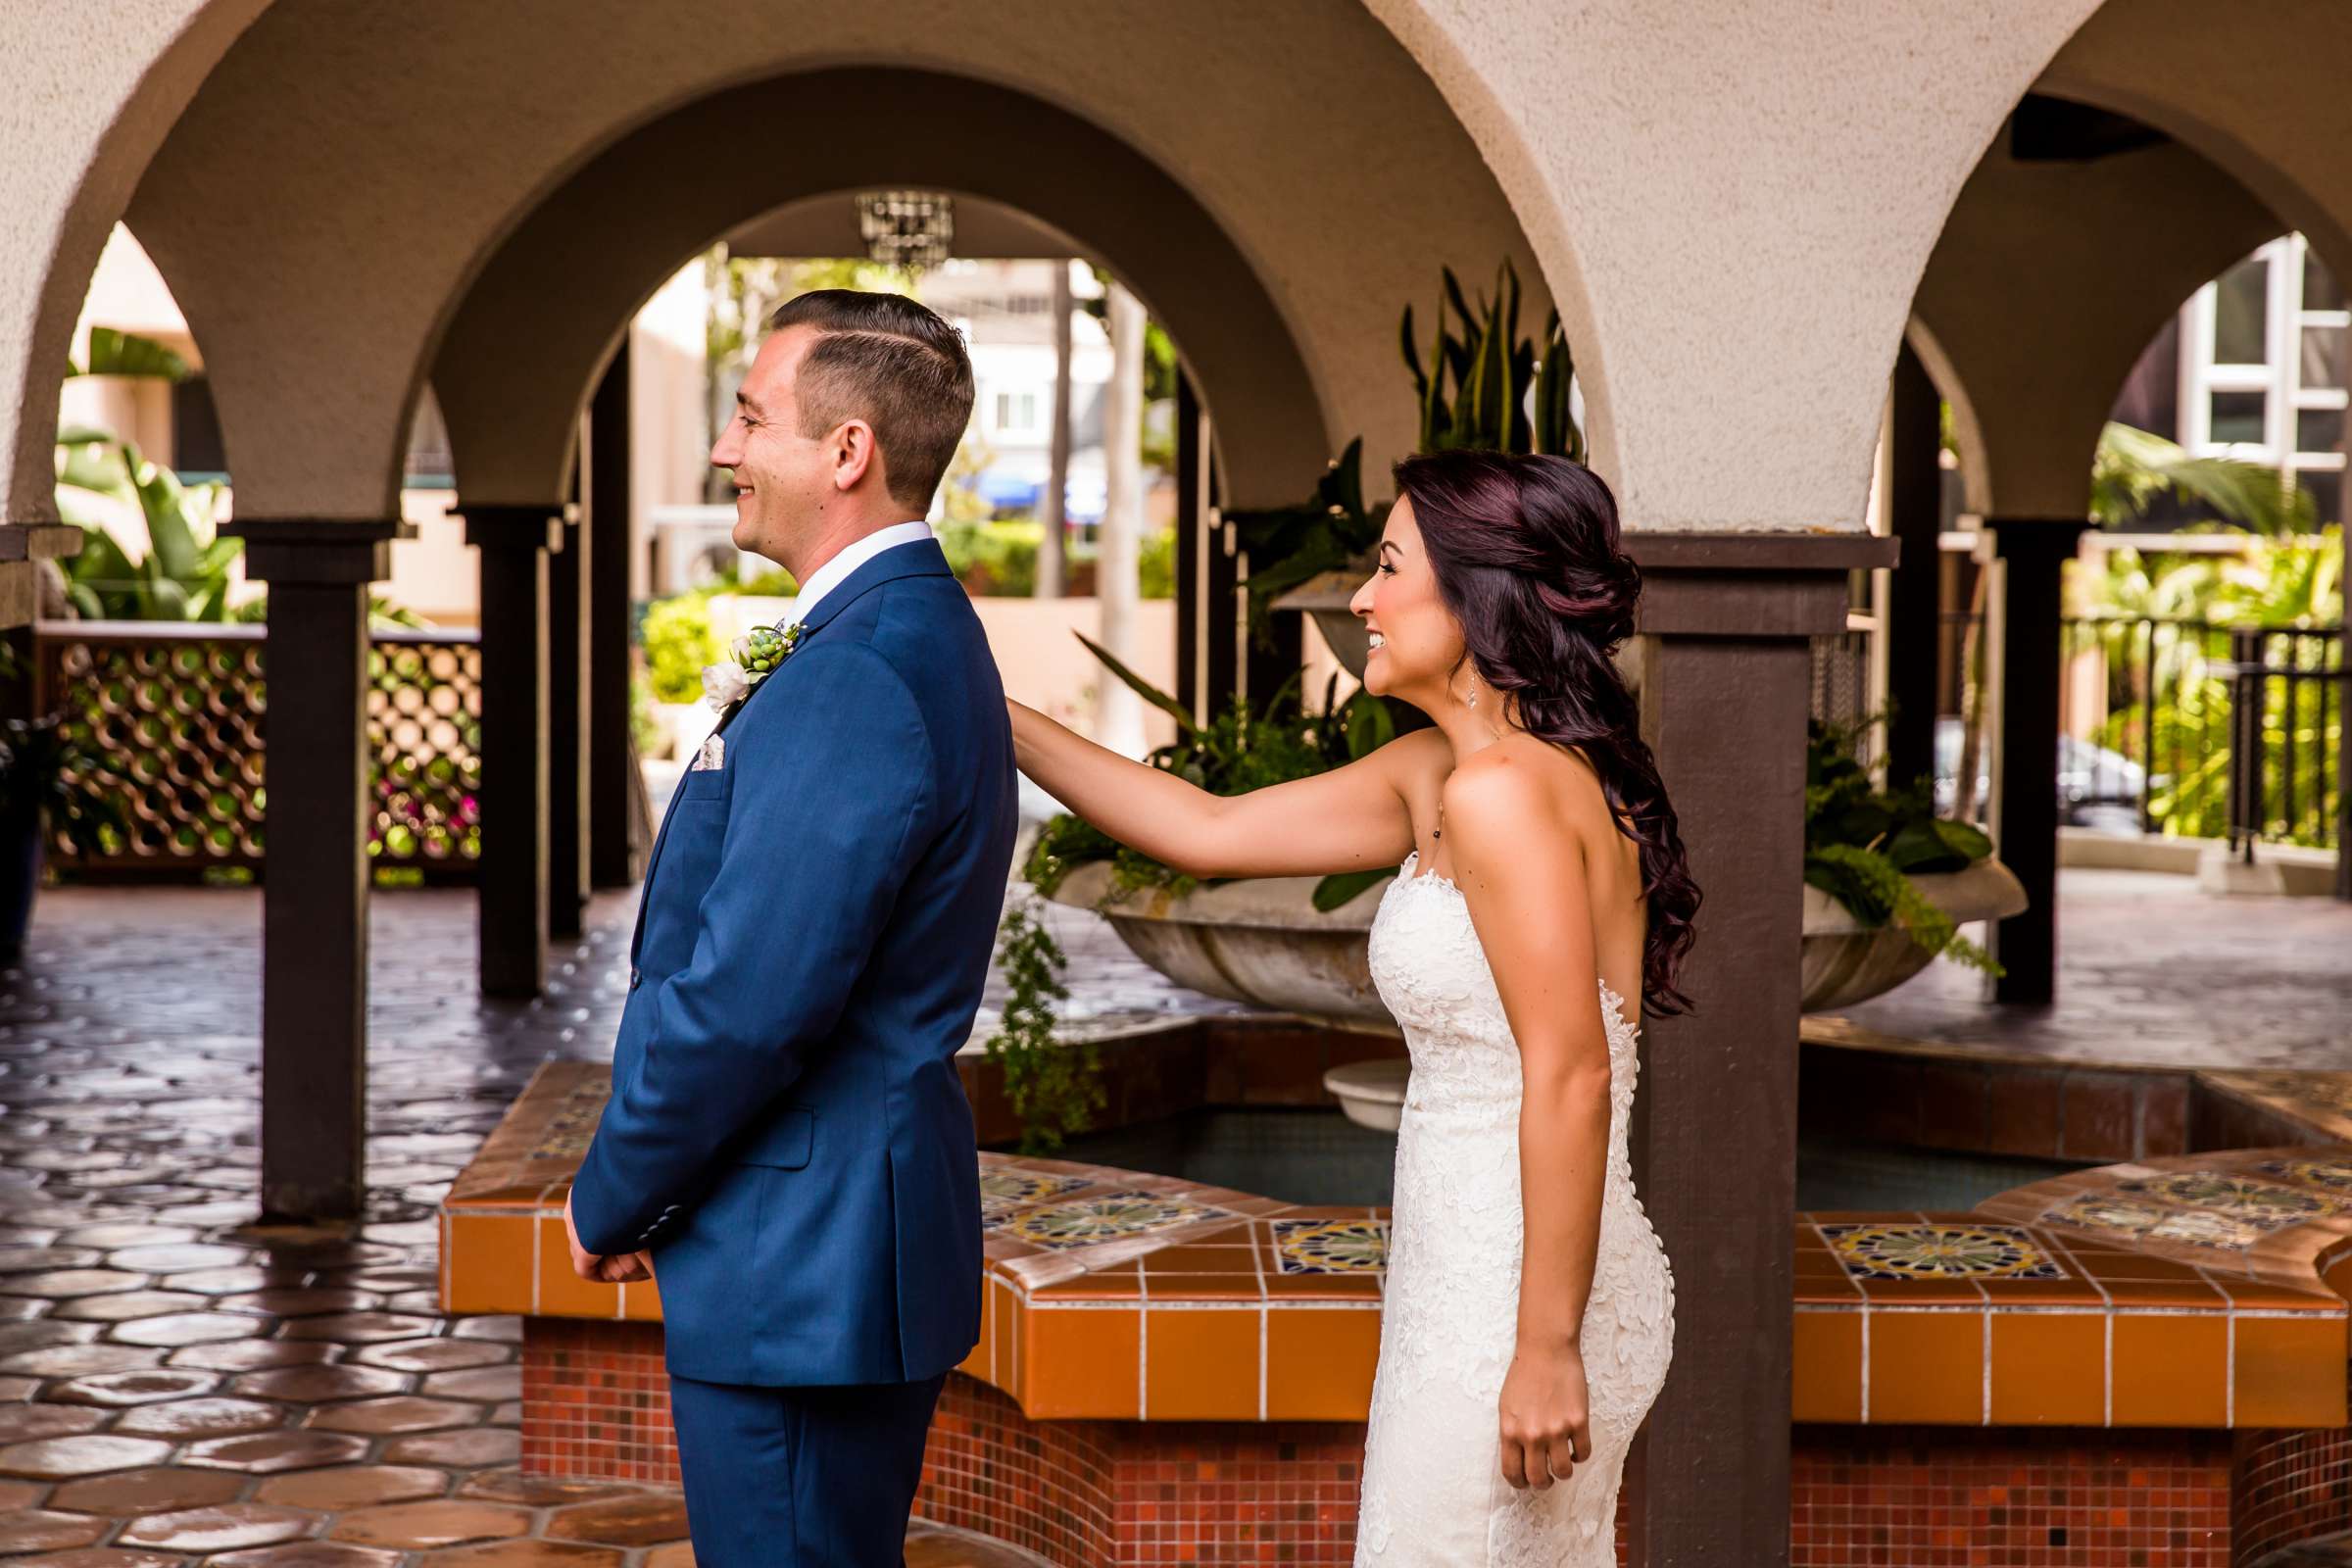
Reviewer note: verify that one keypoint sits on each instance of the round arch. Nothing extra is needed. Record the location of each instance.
(526, 343)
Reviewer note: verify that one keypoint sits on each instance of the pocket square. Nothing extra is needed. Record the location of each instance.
(713, 754)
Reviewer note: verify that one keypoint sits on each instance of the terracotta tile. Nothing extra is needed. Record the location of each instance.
(22, 1423)
(16, 1494)
(641, 1302)
(1200, 1365)
(151, 1491)
(481, 1383)
(309, 1555)
(122, 1390)
(476, 1447)
(1337, 1285)
(505, 1330)
(294, 1300)
(560, 1291)
(2163, 1117)
(2186, 1291)
(178, 1257)
(101, 1557)
(350, 1487)
(2288, 1372)
(2275, 1296)
(1004, 1311)
(186, 1419)
(42, 1530)
(59, 1283)
(2095, 1116)
(1119, 1281)
(528, 1554)
(489, 1262)
(1081, 1361)
(1319, 1363)
(1926, 1366)
(318, 1385)
(2021, 1112)
(1954, 1105)
(79, 1360)
(642, 1519)
(268, 1452)
(2071, 1292)
(1826, 1381)
(681, 1555)
(433, 1356)
(397, 1413)
(2170, 1370)
(83, 1455)
(220, 1528)
(1922, 1292)
(448, 1522)
(2049, 1368)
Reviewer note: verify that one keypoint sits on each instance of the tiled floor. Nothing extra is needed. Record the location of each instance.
(175, 1389)
(2152, 971)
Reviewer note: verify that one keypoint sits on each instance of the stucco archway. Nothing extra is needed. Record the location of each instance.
(524, 345)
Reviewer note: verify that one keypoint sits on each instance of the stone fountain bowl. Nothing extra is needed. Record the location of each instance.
(1261, 940)
(1843, 962)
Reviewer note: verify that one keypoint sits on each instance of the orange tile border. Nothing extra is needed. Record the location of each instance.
(2048, 1368)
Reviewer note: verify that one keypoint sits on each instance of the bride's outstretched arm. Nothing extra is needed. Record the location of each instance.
(1350, 820)
(1520, 865)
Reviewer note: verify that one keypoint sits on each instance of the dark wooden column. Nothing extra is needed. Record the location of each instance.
(567, 728)
(1726, 620)
(1192, 545)
(613, 855)
(2025, 639)
(1915, 609)
(314, 899)
(514, 544)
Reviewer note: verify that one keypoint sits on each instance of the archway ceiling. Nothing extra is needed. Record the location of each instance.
(341, 176)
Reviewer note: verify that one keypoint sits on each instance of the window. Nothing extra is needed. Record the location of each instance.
(1016, 412)
(2264, 368)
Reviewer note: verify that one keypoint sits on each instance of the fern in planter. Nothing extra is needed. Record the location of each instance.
(1055, 1089)
(1236, 753)
(1862, 845)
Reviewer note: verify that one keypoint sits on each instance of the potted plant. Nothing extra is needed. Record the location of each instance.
(1887, 882)
(50, 783)
(1482, 388)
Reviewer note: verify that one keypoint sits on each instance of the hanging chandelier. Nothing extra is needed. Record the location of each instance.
(913, 230)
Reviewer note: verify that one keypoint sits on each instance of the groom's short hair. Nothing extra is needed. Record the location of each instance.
(892, 363)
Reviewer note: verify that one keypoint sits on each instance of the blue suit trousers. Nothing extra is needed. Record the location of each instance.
(809, 1477)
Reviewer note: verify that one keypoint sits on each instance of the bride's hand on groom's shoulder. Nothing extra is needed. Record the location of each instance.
(1547, 1426)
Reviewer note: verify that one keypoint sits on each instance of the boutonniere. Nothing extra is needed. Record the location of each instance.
(757, 655)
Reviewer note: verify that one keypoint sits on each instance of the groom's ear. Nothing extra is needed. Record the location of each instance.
(856, 452)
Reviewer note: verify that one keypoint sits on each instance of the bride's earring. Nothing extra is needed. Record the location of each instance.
(1474, 688)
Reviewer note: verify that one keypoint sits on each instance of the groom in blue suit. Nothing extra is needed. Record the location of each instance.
(787, 1143)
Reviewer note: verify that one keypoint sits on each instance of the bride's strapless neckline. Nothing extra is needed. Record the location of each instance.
(1410, 872)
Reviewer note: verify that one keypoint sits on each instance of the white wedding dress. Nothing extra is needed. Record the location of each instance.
(1432, 1488)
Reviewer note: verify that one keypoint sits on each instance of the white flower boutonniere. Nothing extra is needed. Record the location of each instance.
(757, 655)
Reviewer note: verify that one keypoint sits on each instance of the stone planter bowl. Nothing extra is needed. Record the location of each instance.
(1262, 940)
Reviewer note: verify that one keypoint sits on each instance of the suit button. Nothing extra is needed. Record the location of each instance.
(634, 977)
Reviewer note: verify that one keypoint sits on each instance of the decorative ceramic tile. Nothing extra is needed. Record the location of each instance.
(1933, 1250)
(2264, 1203)
(1330, 1246)
(1106, 1218)
(2141, 1220)
(1005, 1192)
(2336, 1175)
(574, 1125)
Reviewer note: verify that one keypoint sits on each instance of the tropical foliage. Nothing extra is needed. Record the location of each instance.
(1863, 844)
(1237, 752)
(184, 575)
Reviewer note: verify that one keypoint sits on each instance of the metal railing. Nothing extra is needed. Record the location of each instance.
(175, 711)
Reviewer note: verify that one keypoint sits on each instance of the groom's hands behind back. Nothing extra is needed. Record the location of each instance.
(620, 1268)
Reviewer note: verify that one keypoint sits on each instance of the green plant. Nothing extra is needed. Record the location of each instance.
(117, 353)
(1237, 752)
(678, 641)
(1332, 530)
(184, 575)
(993, 557)
(1055, 1089)
(1156, 566)
(1862, 844)
(1492, 370)
(2131, 468)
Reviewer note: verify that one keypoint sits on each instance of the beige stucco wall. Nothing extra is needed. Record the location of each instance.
(86, 92)
(2047, 284)
(420, 133)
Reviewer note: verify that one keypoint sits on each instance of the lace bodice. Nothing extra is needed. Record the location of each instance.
(1433, 1490)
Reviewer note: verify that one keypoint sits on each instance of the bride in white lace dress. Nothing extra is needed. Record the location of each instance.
(1528, 1320)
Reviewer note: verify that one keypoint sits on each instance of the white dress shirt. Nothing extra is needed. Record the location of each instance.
(856, 552)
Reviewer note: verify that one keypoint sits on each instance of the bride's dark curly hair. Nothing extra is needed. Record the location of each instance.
(1526, 558)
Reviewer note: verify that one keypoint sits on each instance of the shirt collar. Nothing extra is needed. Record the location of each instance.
(856, 552)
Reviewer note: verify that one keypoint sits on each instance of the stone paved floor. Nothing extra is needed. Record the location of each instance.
(177, 1388)
(2151, 970)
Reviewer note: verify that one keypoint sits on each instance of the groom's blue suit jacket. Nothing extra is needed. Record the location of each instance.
(786, 1132)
